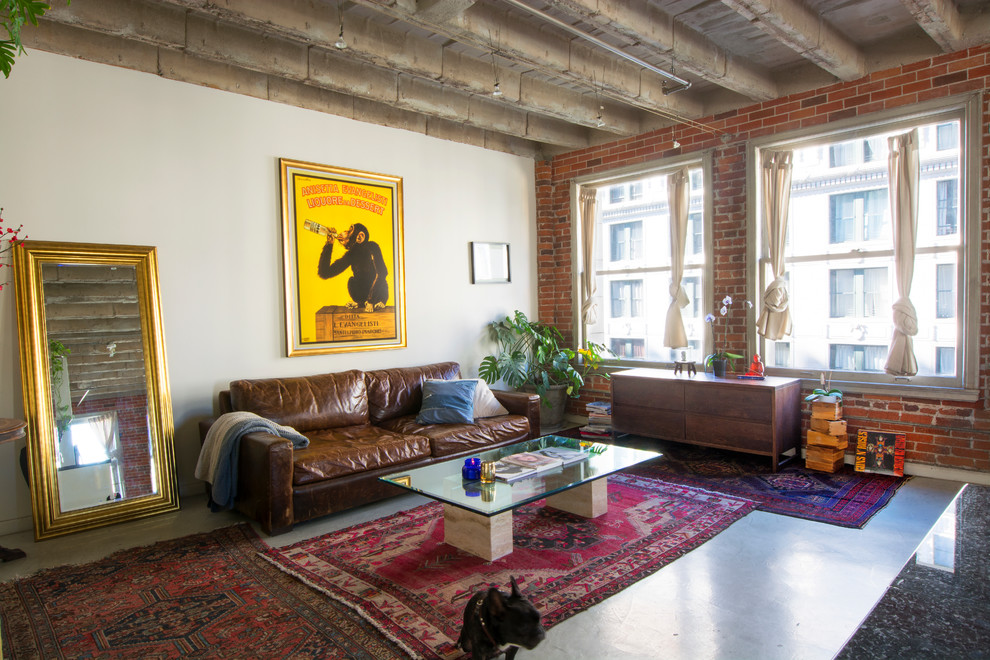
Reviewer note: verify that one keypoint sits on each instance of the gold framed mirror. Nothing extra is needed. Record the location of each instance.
(94, 377)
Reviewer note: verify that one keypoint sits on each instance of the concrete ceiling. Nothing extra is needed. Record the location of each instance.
(431, 65)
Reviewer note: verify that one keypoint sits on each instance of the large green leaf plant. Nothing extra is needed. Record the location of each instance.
(14, 14)
(533, 353)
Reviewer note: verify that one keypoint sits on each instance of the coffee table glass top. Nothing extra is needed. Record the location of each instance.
(442, 481)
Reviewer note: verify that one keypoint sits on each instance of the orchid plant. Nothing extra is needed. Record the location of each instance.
(11, 237)
(826, 390)
(712, 320)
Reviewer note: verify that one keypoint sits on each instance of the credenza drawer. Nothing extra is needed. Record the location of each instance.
(731, 433)
(648, 421)
(648, 392)
(739, 403)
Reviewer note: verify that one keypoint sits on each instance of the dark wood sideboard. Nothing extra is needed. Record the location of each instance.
(753, 416)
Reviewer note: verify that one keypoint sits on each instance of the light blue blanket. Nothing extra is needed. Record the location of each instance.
(218, 457)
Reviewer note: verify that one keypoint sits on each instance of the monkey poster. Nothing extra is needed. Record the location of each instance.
(342, 259)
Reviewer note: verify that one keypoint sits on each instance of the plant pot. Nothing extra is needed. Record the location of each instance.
(719, 367)
(553, 406)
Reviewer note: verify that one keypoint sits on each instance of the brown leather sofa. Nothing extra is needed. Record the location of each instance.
(361, 425)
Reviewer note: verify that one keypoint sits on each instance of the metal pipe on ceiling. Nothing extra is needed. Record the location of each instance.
(683, 84)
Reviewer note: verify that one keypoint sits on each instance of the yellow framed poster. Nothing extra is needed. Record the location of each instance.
(342, 259)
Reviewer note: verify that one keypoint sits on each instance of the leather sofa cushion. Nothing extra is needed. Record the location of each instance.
(340, 451)
(398, 392)
(449, 439)
(306, 403)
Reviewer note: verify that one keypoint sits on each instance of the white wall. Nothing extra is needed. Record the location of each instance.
(93, 153)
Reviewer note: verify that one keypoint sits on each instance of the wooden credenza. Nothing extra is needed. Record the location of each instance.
(754, 416)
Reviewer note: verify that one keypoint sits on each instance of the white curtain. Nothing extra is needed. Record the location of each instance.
(775, 317)
(103, 426)
(904, 172)
(588, 202)
(679, 197)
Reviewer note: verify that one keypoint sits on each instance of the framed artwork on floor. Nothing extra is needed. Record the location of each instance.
(342, 258)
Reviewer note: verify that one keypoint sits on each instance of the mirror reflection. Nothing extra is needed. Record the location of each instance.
(95, 387)
(99, 394)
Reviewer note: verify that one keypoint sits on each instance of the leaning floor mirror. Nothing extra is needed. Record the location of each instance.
(95, 385)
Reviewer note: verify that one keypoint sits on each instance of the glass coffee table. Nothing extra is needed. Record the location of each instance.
(478, 516)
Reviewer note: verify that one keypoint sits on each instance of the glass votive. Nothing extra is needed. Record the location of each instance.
(488, 472)
(472, 469)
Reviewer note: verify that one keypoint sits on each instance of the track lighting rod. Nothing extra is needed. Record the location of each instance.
(682, 84)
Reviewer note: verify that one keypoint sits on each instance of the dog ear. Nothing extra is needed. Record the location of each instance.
(496, 602)
(515, 587)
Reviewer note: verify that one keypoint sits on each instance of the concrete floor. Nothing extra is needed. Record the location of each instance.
(768, 587)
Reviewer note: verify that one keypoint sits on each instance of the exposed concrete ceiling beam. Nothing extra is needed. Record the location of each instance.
(947, 27)
(208, 41)
(548, 51)
(691, 51)
(797, 26)
(441, 10)
(940, 19)
(384, 46)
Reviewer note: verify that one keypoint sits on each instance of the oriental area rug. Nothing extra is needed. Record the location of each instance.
(210, 595)
(846, 498)
(398, 573)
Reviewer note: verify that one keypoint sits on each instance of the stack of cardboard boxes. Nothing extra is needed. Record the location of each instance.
(827, 437)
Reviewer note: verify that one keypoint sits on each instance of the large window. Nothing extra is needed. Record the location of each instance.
(839, 254)
(632, 266)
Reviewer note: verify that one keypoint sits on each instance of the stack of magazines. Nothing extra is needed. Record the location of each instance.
(530, 463)
(599, 420)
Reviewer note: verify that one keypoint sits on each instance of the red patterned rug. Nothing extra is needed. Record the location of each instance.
(398, 573)
(210, 595)
(846, 498)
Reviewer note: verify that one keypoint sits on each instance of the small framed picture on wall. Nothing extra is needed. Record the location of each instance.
(490, 263)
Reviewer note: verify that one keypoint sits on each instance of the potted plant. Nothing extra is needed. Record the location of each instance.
(826, 393)
(719, 359)
(531, 354)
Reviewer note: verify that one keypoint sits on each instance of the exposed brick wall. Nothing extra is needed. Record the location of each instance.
(943, 433)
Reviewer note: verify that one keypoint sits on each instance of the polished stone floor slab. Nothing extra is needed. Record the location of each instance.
(767, 587)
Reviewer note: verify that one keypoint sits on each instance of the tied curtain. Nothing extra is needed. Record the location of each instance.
(775, 317)
(678, 196)
(588, 202)
(904, 171)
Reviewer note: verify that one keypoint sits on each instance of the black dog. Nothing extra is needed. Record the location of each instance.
(496, 623)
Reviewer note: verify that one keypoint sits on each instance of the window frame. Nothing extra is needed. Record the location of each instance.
(966, 108)
(701, 159)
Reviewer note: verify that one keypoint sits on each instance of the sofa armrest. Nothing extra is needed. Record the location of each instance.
(522, 403)
(264, 481)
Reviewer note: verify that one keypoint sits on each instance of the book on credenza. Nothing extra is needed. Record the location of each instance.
(508, 472)
(533, 460)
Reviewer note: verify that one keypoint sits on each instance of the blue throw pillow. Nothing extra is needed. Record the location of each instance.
(447, 402)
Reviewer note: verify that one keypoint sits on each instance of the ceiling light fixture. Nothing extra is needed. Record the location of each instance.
(340, 44)
(493, 42)
(681, 83)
